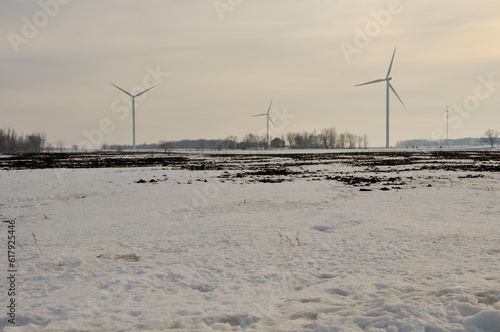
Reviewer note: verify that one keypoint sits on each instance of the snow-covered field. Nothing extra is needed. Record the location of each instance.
(208, 250)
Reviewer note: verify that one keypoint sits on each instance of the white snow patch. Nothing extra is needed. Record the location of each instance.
(303, 255)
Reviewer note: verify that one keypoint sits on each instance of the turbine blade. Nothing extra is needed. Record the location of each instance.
(390, 67)
(137, 95)
(270, 106)
(390, 86)
(121, 89)
(259, 114)
(271, 120)
(376, 81)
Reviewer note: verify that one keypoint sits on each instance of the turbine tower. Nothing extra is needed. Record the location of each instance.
(447, 116)
(389, 86)
(268, 119)
(133, 105)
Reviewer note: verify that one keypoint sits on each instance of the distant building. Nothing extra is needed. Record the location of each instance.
(277, 143)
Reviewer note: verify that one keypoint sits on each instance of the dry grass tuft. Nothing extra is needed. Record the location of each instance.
(127, 257)
(287, 241)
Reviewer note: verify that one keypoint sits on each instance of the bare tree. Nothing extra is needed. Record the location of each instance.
(230, 142)
(299, 141)
(165, 145)
(323, 138)
(359, 140)
(291, 139)
(351, 140)
(43, 141)
(75, 147)
(329, 138)
(342, 141)
(332, 137)
(32, 143)
(201, 144)
(60, 145)
(490, 137)
(313, 140)
(211, 144)
(251, 141)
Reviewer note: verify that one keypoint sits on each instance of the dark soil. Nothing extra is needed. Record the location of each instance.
(89, 160)
(279, 167)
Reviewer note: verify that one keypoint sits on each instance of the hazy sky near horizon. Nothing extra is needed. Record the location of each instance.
(217, 62)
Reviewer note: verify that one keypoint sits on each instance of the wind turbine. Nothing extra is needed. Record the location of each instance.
(447, 114)
(133, 104)
(389, 86)
(268, 119)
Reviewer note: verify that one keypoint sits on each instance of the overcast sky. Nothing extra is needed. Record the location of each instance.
(217, 62)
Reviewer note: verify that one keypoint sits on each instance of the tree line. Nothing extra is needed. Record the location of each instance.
(12, 142)
(490, 137)
(328, 138)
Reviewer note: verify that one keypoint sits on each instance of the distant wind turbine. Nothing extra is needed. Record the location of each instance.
(133, 104)
(268, 119)
(447, 116)
(389, 86)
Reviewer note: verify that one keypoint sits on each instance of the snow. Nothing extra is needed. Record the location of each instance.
(299, 255)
